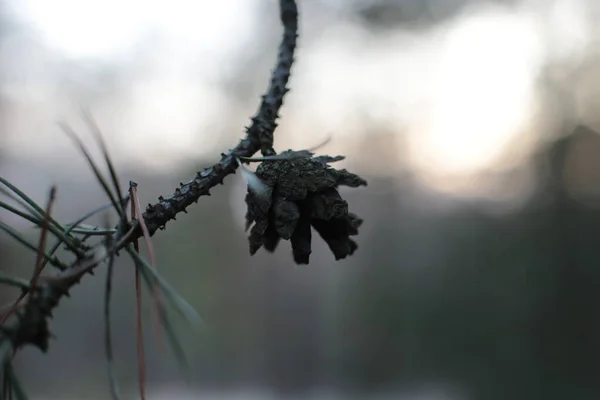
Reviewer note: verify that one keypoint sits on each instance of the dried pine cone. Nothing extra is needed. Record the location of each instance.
(300, 192)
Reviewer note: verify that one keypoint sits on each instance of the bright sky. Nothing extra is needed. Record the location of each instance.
(484, 91)
(106, 28)
(462, 92)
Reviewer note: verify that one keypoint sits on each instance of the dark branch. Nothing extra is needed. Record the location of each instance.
(259, 135)
(31, 326)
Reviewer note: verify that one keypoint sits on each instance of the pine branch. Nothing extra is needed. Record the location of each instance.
(259, 135)
(31, 325)
(290, 204)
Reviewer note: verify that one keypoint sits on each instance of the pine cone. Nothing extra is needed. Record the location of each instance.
(302, 192)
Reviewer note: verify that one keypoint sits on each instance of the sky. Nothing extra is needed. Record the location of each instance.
(460, 94)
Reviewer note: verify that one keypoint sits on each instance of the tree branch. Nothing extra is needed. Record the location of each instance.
(259, 135)
(31, 326)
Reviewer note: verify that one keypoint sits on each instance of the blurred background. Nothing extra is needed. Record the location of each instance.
(477, 273)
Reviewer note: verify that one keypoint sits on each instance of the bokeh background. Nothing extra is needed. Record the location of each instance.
(478, 267)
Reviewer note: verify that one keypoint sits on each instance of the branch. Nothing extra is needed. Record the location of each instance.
(259, 135)
(31, 326)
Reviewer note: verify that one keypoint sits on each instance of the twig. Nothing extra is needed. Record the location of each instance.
(32, 326)
(137, 210)
(259, 135)
(138, 305)
(114, 386)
